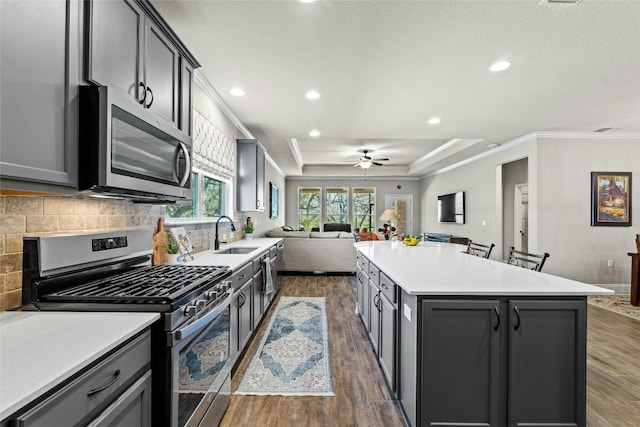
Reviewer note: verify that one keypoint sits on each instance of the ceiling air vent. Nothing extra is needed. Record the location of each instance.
(560, 1)
(604, 130)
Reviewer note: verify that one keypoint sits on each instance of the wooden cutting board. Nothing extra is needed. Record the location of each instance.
(160, 242)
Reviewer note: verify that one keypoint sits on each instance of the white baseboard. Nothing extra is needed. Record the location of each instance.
(617, 287)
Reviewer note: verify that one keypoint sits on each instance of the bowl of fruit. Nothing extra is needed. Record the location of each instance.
(411, 240)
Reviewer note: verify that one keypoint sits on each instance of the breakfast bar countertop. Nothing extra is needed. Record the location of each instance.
(39, 350)
(433, 268)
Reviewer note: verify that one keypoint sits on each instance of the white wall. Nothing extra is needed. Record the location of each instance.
(383, 187)
(559, 203)
(565, 207)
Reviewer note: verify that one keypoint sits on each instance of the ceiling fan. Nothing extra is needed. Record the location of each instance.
(366, 161)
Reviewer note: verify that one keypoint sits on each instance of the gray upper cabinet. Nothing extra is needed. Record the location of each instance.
(250, 173)
(186, 111)
(126, 50)
(39, 53)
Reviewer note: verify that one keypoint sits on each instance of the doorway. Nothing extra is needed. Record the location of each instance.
(521, 217)
(402, 204)
(515, 205)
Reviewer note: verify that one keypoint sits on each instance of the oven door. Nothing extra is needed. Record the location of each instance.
(201, 368)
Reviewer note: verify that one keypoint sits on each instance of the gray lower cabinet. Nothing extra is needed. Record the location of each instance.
(547, 363)
(460, 363)
(250, 176)
(374, 315)
(131, 409)
(387, 348)
(243, 306)
(115, 392)
(502, 362)
(258, 297)
(39, 52)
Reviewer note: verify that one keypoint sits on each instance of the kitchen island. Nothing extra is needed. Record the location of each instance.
(464, 340)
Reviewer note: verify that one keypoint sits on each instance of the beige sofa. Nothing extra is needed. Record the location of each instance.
(316, 251)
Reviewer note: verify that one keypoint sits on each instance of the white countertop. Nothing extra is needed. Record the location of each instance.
(234, 261)
(39, 350)
(432, 268)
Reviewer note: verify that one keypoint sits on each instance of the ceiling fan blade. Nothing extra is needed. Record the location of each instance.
(356, 165)
(377, 164)
(381, 160)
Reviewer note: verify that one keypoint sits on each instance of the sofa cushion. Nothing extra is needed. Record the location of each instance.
(325, 234)
(337, 227)
(346, 235)
(281, 233)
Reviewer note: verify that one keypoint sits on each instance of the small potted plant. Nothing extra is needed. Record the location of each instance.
(248, 229)
(172, 247)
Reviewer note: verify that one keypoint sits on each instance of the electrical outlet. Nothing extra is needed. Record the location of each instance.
(407, 312)
(610, 263)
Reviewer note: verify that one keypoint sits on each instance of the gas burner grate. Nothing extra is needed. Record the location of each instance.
(153, 284)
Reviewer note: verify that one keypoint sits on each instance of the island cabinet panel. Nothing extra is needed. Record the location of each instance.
(498, 362)
(547, 363)
(387, 349)
(460, 362)
(374, 315)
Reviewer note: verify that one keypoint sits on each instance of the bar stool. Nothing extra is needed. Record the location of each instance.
(526, 260)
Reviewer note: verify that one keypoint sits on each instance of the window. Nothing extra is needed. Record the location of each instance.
(337, 205)
(309, 211)
(364, 202)
(210, 199)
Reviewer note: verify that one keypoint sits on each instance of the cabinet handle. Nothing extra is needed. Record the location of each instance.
(145, 97)
(116, 376)
(242, 299)
(515, 308)
(142, 95)
(495, 309)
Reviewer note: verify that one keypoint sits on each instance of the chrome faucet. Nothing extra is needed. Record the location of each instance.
(216, 243)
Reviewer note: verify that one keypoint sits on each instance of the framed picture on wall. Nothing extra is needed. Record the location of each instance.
(275, 200)
(611, 199)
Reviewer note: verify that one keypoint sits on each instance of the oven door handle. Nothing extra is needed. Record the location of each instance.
(196, 326)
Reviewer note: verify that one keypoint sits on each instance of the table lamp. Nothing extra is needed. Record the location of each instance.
(387, 216)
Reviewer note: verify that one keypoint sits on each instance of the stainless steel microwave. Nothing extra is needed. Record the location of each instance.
(126, 151)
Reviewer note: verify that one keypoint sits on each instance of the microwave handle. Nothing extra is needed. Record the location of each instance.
(187, 170)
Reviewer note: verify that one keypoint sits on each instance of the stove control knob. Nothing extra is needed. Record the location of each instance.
(200, 304)
(211, 295)
(190, 310)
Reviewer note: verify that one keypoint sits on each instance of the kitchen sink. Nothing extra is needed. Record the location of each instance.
(235, 251)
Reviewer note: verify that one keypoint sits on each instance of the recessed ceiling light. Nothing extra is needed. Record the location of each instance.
(500, 66)
(236, 91)
(434, 120)
(312, 94)
(307, 1)
(314, 133)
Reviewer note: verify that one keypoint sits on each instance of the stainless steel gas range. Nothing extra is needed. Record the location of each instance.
(114, 272)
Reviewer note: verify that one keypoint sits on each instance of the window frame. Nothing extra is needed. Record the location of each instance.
(200, 219)
(320, 207)
(346, 213)
(372, 215)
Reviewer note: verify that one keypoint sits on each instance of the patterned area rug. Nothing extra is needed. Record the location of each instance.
(293, 356)
(619, 303)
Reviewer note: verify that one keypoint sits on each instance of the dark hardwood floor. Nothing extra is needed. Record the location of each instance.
(361, 396)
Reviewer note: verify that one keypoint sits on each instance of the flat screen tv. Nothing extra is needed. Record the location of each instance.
(451, 207)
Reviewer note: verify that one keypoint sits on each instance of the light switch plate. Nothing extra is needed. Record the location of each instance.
(407, 312)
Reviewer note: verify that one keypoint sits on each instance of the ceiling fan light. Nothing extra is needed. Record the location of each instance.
(366, 164)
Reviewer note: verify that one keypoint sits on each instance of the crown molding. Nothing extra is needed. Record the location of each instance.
(535, 136)
(215, 97)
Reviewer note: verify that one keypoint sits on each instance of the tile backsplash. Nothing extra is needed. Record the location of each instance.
(38, 216)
